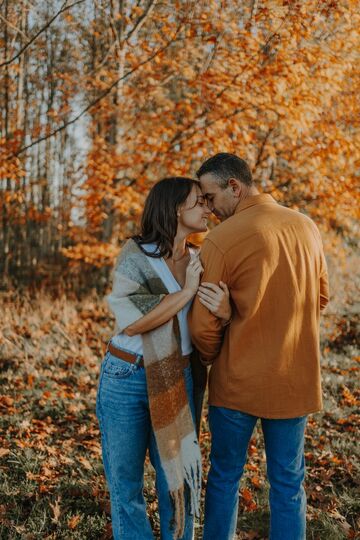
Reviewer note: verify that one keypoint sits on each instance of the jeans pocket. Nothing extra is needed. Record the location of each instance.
(117, 368)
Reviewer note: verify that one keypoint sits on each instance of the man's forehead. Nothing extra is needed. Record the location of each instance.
(209, 186)
(208, 182)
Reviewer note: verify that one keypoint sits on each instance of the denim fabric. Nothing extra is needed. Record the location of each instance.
(122, 409)
(284, 445)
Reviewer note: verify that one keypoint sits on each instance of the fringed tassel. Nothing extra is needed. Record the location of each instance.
(178, 499)
(193, 481)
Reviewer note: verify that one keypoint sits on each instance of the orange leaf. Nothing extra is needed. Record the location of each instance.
(74, 521)
(246, 495)
(255, 480)
(6, 400)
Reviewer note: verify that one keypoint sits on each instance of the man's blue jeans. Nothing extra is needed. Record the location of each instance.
(284, 446)
(122, 408)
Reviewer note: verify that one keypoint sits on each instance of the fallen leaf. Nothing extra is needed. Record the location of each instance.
(85, 462)
(6, 400)
(56, 510)
(74, 521)
(255, 480)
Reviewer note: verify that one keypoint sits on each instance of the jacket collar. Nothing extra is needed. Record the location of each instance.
(262, 198)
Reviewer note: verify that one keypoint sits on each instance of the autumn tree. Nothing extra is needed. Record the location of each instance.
(151, 89)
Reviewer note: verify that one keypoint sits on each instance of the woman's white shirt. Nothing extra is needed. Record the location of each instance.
(134, 343)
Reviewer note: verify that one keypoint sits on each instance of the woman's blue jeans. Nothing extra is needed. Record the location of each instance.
(122, 408)
(284, 446)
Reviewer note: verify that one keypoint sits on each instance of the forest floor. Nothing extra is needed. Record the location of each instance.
(52, 481)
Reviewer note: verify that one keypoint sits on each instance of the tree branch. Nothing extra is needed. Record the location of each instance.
(252, 57)
(41, 31)
(262, 148)
(141, 19)
(184, 129)
(97, 100)
(17, 30)
(253, 9)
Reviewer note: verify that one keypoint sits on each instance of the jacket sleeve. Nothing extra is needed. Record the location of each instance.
(323, 278)
(324, 283)
(205, 328)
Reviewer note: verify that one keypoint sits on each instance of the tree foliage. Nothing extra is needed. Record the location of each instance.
(101, 98)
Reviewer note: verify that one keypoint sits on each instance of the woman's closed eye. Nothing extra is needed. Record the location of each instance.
(201, 201)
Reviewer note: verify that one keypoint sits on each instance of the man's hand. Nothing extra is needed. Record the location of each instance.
(216, 299)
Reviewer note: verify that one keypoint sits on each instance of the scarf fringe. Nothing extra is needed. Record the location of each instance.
(192, 484)
(193, 480)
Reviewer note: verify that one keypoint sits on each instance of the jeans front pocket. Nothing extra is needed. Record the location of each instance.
(117, 368)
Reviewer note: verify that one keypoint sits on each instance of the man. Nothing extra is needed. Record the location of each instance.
(265, 361)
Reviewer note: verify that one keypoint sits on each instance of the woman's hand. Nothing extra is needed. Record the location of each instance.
(193, 273)
(216, 299)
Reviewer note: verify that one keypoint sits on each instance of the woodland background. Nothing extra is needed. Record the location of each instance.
(100, 99)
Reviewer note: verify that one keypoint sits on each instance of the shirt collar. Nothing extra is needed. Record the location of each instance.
(262, 198)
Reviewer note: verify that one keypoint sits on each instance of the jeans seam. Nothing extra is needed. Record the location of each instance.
(106, 449)
(100, 383)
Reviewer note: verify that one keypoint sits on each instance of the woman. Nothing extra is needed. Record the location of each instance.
(145, 396)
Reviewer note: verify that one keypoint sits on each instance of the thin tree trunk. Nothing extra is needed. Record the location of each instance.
(6, 207)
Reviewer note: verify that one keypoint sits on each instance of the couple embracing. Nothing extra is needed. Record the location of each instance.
(249, 306)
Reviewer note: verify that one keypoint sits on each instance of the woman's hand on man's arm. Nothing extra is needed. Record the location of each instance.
(216, 299)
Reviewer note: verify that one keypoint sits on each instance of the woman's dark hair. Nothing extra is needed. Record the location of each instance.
(159, 220)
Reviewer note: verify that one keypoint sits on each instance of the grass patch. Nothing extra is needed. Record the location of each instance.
(50, 456)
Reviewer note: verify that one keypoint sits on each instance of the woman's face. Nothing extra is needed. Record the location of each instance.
(194, 213)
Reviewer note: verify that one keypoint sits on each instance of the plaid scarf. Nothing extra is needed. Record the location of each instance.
(137, 289)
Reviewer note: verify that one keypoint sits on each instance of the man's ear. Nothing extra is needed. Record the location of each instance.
(235, 186)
